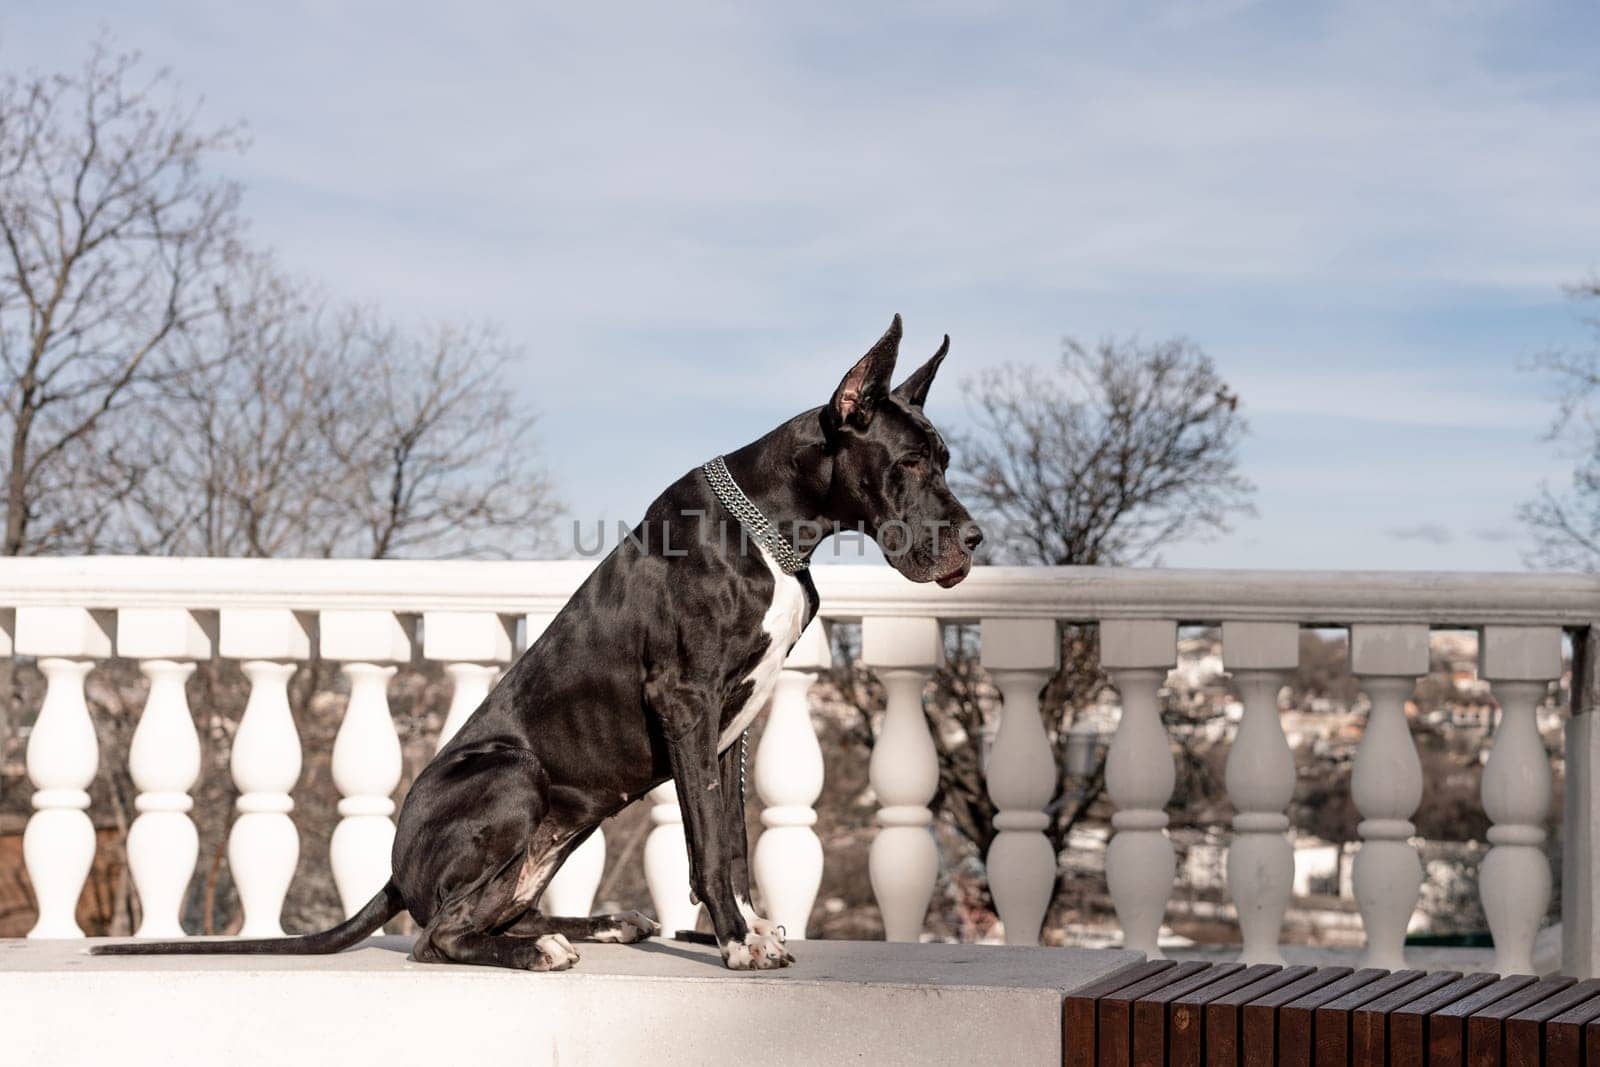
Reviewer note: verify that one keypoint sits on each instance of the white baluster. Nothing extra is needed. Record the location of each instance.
(1140, 775)
(666, 863)
(366, 753)
(63, 755)
(1514, 880)
(904, 861)
(787, 862)
(571, 891)
(1260, 779)
(264, 846)
(1022, 655)
(470, 684)
(472, 645)
(1386, 784)
(164, 760)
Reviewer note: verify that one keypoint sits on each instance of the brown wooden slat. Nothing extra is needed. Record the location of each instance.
(1369, 1024)
(1563, 1035)
(1114, 1019)
(1295, 1018)
(1260, 1014)
(1079, 1010)
(1186, 1017)
(1447, 1027)
(1332, 1023)
(1524, 1031)
(1486, 1026)
(1150, 1014)
(1158, 1013)
(1224, 1044)
(1408, 1025)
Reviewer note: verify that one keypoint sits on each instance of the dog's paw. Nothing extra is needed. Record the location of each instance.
(627, 927)
(759, 951)
(555, 953)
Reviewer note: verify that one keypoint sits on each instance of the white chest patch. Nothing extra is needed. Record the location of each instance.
(782, 624)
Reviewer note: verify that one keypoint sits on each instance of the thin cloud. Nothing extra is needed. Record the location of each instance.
(1496, 535)
(1432, 533)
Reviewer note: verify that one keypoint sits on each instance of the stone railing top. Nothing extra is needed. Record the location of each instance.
(848, 591)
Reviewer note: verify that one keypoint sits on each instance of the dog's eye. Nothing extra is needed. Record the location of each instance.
(914, 463)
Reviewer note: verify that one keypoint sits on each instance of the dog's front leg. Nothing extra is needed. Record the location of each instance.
(689, 725)
(734, 765)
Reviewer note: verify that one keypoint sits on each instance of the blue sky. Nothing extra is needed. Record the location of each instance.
(694, 216)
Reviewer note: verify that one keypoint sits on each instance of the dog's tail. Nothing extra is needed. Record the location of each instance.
(379, 910)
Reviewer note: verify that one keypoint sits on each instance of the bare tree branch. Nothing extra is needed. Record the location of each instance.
(114, 240)
(1125, 449)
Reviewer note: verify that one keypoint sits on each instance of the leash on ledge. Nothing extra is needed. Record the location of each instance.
(695, 937)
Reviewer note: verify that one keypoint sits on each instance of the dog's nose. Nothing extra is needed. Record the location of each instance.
(972, 537)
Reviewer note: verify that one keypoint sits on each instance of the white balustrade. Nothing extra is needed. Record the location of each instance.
(1140, 776)
(164, 759)
(904, 861)
(68, 613)
(58, 844)
(1386, 785)
(264, 846)
(1021, 655)
(1260, 780)
(366, 752)
(787, 862)
(666, 863)
(1514, 880)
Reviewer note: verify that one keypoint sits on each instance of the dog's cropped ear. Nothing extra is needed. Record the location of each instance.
(914, 390)
(865, 385)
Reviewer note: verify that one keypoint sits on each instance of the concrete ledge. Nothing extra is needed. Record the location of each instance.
(658, 1003)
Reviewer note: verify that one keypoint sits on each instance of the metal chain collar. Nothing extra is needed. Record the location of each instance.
(744, 759)
(750, 517)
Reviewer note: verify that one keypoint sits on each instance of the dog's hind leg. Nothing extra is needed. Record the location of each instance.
(451, 944)
(464, 931)
(540, 867)
(624, 927)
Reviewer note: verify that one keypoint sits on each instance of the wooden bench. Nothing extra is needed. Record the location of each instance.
(1227, 1015)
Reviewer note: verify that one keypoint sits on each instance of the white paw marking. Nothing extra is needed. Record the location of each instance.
(631, 926)
(757, 952)
(637, 926)
(757, 923)
(558, 951)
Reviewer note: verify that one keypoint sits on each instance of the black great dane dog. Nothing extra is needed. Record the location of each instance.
(654, 670)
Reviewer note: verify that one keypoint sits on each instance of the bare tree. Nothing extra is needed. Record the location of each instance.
(302, 431)
(1565, 524)
(227, 461)
(1126, 448)
(113, 242)
(436, 453)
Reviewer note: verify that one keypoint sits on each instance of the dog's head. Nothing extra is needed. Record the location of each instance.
(889, 465)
